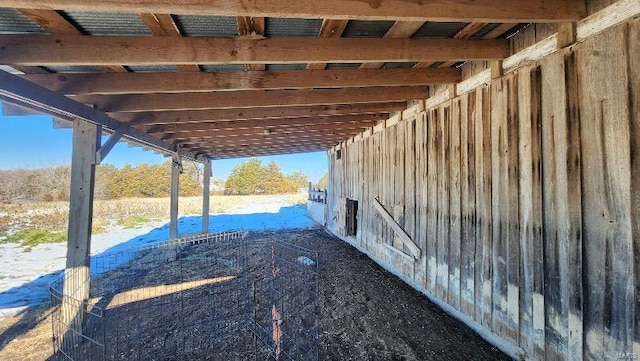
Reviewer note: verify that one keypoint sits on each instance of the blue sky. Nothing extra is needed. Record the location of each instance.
(33, 142)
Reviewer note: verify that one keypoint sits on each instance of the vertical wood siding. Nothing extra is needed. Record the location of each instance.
(524, 198)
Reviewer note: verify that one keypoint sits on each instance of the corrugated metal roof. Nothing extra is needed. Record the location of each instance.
(295, 66)
(107, 23)
(222, 67)
(292, 27)
(338, 66)
(196, 25)
(399, 65)
(513, 31)
(366, 29)
(438, 30)
(14, 22)
(482, 32)
(74, 69)
(152, 68)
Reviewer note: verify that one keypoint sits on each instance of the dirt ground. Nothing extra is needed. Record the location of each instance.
(366, 313)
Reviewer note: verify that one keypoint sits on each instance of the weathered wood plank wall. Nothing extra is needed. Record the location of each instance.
(524, 197)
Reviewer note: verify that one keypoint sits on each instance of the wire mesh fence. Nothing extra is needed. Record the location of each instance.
(206, 297)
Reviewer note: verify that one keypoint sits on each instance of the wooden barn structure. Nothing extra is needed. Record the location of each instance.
(487, 152)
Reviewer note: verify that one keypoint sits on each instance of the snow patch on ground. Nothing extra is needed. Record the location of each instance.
(25, 276)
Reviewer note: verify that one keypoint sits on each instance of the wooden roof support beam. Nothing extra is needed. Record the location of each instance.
(330, 29)
(264, 143)
(161, 50)
(261, 138)
(54, 23)
(377, 110)
(399, 30)
(250, 99)
(251, 27)
(172, 82)
(163, 25)
(276, 151)
(262, 123)
(21, 92)
(218, 147)
(490, 11)
(238, 152)
(272, 132)
(465, 33)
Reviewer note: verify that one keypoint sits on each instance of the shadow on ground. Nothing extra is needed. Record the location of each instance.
(31, 298)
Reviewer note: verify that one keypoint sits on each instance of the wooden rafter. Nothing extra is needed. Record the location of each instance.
(262, 123)
(226, 155)
(54, 23)
(251, 27)
(466, 33)
(494, 11)
(399, 30)
(286, 133)
(190, 116)
(330, 28)
(116, 50)
(264, 143)
(163, 25)
(250, 99)
(229, 151)
(166, 82)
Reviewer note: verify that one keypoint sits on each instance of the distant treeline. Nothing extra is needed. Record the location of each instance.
(147, 181)
(252, 177)
(52, 184)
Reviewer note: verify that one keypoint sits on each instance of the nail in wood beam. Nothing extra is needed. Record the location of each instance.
(206, 181)
(86, 137)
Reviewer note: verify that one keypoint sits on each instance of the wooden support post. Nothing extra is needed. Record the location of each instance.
(175, 180)
(496, 69)
(566, 34)
(206, 181)
(86, 138)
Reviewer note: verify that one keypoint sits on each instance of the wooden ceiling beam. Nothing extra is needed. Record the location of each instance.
(253, 138)
(250, 99)
(491, 11)
(378, 110)
(466, 33)
(330, 28)
(251, 150)
(276, 151)
(240, 142)
(399, 30)
(288, 133)
(182, 82)
(263, 123)
(163, 25)
(54, 23)
(55, 50)
(251, 147)
(251, 27)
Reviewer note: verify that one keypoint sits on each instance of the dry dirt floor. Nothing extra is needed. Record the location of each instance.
(365, 313)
